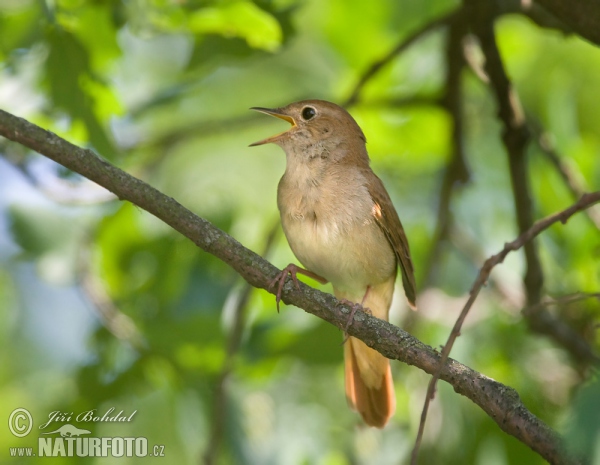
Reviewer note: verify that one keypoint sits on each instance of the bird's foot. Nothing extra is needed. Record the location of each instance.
(292, 269)
(354, 306)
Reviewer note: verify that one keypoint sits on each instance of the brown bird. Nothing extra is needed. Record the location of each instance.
(342, 226)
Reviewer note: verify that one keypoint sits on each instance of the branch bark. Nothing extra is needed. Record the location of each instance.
(376, 66)
(500, 402)
(580, 15)
(586, 201)
(515, 136)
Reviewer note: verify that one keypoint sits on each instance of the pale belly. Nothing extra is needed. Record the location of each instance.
(351, 259)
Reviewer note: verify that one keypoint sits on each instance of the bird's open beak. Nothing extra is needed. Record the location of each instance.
(277, 114)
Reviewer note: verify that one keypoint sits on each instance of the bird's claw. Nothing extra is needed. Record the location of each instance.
(291, 269)
(354, 306)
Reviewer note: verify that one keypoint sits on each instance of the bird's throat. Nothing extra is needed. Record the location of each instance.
(304, 170)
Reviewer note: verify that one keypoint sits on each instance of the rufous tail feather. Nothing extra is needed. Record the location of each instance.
(373, 399)
(369, 384)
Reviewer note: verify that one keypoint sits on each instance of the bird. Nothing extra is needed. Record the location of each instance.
(341, 225)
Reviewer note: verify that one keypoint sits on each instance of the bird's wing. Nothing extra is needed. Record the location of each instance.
(386, 217)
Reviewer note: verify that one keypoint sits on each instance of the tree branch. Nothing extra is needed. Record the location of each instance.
(515, 136)
(580, 15)
(397, 50)
(538, 318)
(500, 402)
(586, 201)
(571, 178)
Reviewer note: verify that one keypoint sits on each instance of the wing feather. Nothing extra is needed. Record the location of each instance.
(386, 217)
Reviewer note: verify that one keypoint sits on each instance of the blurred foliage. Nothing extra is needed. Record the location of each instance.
(161, 88)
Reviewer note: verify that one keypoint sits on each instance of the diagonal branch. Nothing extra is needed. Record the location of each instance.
(563, 216)
(397, 50)
(570, 177)
(500, 402)
(516, 136)
(538, 318)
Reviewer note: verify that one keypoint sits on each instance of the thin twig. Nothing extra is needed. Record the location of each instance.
(537, 316)
(405, 102)
(570, 298)
(586, 201)
(570, 178)
(515, 137)
(397, 50)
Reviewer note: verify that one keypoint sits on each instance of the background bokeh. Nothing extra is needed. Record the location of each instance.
(102, 305)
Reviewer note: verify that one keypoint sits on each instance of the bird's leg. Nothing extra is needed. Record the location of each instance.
(353, 307)
(292, 269)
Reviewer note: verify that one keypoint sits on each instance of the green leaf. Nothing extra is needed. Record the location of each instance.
(68, 76)
(239, 19)
(19, 26)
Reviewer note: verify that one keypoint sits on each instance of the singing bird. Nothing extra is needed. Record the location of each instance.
(342, 226)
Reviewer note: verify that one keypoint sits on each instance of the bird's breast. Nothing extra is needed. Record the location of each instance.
(336, 236)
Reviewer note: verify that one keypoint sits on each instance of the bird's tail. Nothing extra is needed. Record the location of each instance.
(369, 390)
(369, 385)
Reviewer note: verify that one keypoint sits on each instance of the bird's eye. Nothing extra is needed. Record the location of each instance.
(308, 113)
